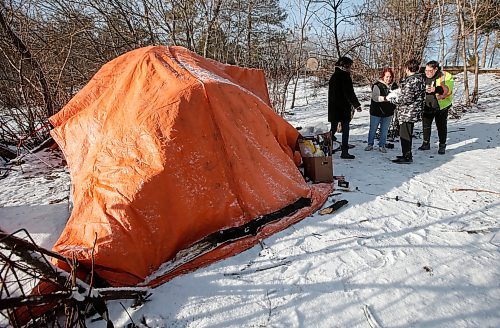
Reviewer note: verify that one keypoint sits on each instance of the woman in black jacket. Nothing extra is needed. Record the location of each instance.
(341, 100)
(381, 110)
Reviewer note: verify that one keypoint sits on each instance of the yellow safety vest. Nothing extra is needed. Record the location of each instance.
(446, 81)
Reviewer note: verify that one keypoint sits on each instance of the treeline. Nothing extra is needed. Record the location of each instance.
(49, 49)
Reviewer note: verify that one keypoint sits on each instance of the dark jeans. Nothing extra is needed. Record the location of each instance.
(405, 135)
(441, 116)
(345, 131)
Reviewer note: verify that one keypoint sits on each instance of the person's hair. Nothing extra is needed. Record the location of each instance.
(413, 65)
(385, 70)
(434, 64)
(344, 61)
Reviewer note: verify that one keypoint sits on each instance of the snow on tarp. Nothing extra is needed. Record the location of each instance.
(166, 149)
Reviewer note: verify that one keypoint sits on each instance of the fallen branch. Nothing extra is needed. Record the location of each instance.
(19, 255)
(473, 231)
(370, 318)
(476, 190)
(68, 296)
(28, 251)
(258, 269)
(332, 208)
(350, 237)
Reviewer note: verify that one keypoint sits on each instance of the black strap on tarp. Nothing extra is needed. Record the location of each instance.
(253, 227)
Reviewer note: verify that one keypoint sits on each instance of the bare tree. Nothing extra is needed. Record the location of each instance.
(25, 82)
(334, 18)
(396, 31)
(485, 49)
(474, 16)
(460, 13)
(441, 9)
(496, 45)
(488, 23)
(305, 15)
(211, 11)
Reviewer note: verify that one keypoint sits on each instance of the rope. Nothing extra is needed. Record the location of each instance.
(22, 139)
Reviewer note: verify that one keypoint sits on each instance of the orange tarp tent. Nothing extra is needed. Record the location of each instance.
(168, 151)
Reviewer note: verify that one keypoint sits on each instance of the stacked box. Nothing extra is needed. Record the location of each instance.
(317, 159)
(318, 169)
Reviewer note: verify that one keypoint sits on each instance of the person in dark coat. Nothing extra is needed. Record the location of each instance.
(381, 110)
(409, 104)
(341, 100)
(438, 99)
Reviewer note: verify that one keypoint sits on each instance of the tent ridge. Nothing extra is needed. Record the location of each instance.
(203, 75)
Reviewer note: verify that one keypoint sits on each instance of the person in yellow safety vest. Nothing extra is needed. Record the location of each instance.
(438, 101)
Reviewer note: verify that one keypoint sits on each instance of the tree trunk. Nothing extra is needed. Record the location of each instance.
(441, 32)
(249, 32)
(475, 32)
(460, 9)
(26, 55)
(492, 58)
(210, 24)
(336, 24)
(485, 50)
(300, 64)
(457, 46)
(147, 19)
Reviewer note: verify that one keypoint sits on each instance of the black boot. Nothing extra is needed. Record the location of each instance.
(345, 153)
(405, 159)
(442, 149)
(425, 146)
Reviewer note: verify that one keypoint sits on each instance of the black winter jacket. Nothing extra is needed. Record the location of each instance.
(385, 108)
(341, 96)
(431, 102)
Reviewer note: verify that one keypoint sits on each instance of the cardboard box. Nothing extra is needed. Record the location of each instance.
(318, 169)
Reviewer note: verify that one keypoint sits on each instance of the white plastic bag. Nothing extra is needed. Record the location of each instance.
(393, 95)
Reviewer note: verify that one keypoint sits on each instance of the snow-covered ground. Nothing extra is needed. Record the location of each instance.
(417, 246)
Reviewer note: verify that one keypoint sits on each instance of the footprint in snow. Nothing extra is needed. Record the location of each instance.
(414, 239)
(299, 242)
(266, 253)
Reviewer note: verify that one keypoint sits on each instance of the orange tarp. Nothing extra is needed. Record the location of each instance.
(165, 148)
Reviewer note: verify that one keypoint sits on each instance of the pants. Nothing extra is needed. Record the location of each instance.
(406, 135)
(345, 131)
(384, 123)
(441, 117)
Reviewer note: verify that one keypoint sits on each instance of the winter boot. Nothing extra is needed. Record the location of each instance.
(345, 153)
(406, 159)
(442, 149)
(425, 146)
